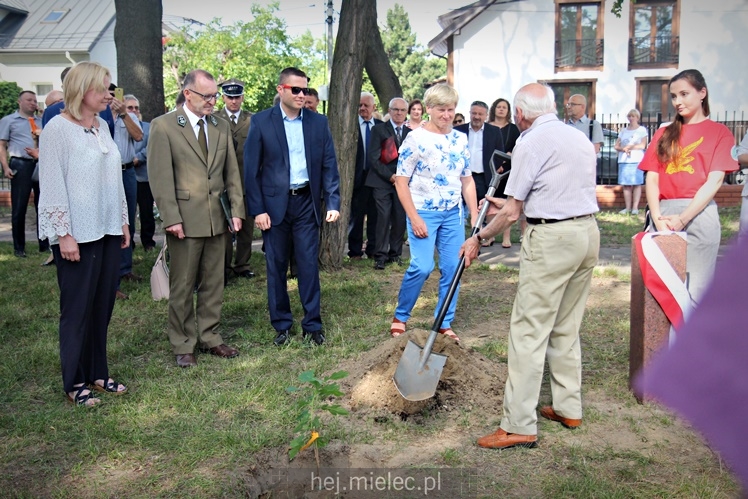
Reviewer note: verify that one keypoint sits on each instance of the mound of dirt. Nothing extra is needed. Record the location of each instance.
(468, 381)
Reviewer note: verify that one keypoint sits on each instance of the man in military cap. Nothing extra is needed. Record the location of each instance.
(233, 96)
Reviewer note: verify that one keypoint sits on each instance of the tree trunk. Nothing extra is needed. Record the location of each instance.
(357, 17)
(377, 65)
(140, 66)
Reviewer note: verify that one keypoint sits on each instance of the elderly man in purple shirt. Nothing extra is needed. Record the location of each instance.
(553, 180)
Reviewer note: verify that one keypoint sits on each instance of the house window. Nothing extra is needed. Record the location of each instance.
(43, 88)
(653, 98)
(55, 16)
(654, 29)
(565, 89)
(579, 35)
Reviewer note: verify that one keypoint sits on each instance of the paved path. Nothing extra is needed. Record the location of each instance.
(491, 255)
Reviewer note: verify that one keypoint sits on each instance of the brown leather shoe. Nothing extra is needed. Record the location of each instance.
(548, 413)
(503, 440)
(224, 351)
(121, 296)
(186, 360)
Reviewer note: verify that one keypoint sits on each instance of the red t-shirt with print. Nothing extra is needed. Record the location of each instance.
(705, 148)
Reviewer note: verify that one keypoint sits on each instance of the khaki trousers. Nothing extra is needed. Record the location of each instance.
(556, 264)
(192, 258)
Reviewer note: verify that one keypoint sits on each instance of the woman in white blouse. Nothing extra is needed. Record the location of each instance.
(432, 181)
(83, 212)
(631, 143)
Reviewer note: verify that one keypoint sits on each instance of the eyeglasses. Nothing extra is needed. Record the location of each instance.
(296, 90)
(570, 104)
(458, 122)
(206, 98)
(133, 108)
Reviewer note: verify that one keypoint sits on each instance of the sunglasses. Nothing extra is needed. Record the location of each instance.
(458, 122)
(133, 108)
(296, 90)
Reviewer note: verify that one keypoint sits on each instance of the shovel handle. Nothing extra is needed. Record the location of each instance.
(495, 180)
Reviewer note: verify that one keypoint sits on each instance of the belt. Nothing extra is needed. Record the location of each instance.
(19, 158)
(537, 221)
(298, 191)
(125, 166)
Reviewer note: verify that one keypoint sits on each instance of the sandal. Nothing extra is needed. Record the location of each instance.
(447, 331)
(506, 245)
(82, 399)
(397, 328)
(487, 243)
(111, 386)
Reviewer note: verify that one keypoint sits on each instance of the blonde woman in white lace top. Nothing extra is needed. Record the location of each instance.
(83, 212)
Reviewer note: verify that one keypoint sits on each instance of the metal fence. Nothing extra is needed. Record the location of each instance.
(607, 164)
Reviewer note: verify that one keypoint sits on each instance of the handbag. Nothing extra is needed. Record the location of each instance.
(389, 150)
(160, 276)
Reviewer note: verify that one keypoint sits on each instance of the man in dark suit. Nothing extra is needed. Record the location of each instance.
(483, 139)
(390, 228)
(362, 203)
(289, 169)
(191, 161)
(238, 119)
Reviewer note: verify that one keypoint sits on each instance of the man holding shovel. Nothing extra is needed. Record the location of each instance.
(553, 180)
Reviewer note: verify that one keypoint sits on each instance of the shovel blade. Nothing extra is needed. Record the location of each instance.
(411, 381)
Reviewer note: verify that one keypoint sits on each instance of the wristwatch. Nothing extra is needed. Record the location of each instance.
(480, 240)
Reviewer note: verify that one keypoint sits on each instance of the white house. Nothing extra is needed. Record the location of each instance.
(39, 38)
(494, 47)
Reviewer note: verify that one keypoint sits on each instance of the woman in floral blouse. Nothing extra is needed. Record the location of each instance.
(433, 182)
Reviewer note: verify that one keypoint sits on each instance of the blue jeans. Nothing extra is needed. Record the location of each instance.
(446, 234)
(131, 195)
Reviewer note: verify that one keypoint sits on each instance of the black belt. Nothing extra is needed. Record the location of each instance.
(18, 158)
(126, 166)
(298, 191)
(537, 221)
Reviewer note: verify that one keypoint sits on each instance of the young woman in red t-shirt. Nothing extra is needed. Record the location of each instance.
(685, 169)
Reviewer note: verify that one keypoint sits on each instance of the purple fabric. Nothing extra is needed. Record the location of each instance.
(704, 375)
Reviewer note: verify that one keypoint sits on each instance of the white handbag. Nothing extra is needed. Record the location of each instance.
(160, 276)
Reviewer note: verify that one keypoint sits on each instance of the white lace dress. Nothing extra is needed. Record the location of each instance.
(80, 183)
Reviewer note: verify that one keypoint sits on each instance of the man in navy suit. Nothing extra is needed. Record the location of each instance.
(289, 169)
(483, 139)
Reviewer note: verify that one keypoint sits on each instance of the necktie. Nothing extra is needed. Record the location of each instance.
(233, 119)
(201, 138)
(399, 130)
(366, 142)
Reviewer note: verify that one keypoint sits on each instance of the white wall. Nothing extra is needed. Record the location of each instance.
(512, 44)
(105, 53)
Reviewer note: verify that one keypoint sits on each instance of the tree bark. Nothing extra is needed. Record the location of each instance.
(345, 85)
(377, 65)
(140, 67)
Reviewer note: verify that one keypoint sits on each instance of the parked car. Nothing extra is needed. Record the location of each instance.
(607, 162)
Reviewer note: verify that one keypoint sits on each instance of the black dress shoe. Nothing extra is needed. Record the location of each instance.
(396, 260)
(318, 337)
(20, 253)
(379, 265)
(282, 337)
(247, 274)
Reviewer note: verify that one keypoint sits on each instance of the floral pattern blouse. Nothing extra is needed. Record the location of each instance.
(435, 164)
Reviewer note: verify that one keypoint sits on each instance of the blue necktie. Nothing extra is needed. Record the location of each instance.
(366, 141)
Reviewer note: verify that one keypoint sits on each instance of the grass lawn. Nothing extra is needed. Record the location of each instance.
(220, 429)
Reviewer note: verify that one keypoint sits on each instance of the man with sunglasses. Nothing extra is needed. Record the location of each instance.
(238, 119)
(289, 169)
(191, 161)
